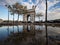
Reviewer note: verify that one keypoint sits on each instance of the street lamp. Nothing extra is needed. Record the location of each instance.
(46, 24)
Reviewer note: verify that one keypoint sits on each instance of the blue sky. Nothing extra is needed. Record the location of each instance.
(3, 12)
(53, 8)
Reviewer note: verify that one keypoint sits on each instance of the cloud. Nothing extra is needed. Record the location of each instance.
(52, 4)
(9, 2)
(40, 7)
(53, 10)
(55, 14)
(29, 6)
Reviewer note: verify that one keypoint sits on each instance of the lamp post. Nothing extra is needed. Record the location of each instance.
(46, 24)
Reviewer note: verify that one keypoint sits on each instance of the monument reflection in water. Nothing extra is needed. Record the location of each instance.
(29, 34)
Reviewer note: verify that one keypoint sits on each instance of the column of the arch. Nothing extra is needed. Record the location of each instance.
(32, 18)
(33, 8)
(25, 17)
(34, 15)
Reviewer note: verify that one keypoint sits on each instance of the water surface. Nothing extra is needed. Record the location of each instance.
(28, 34)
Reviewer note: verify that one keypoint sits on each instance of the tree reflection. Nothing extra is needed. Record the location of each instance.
(8, 30)
(18, 28)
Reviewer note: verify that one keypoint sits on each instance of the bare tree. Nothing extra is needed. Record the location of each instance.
(39, 15)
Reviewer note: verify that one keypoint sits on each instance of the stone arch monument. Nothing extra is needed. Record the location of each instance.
(31, 13)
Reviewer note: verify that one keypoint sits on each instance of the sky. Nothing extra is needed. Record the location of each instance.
(53, 8)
